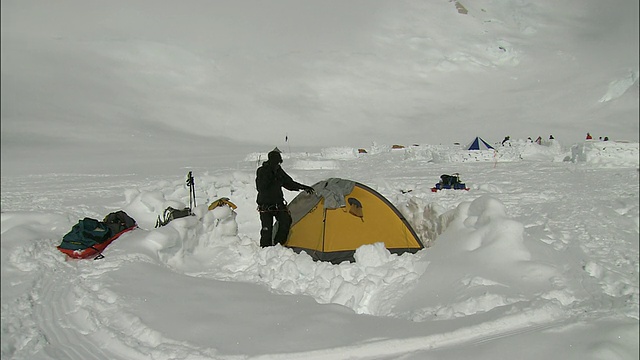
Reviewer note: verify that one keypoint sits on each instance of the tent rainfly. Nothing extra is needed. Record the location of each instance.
(479, 144)
(343, 215)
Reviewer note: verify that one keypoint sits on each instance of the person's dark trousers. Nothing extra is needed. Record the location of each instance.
(266, 233)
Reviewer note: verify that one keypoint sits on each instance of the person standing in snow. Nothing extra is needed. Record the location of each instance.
(270, 179)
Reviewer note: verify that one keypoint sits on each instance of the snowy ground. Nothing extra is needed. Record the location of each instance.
(538, 260)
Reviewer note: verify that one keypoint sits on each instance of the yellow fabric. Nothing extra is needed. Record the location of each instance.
(352, 226)
(222, 201)
(308, 232)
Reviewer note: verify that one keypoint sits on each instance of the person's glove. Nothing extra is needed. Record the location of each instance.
(308, 189)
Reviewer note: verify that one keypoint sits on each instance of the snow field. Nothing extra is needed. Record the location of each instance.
(535, 248)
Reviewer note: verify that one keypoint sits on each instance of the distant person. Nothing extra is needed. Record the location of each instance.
(506, 139)
(551, 137)
(270, 179)
(589, 136)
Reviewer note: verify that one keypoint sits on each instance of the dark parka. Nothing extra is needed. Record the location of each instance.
(270, 179)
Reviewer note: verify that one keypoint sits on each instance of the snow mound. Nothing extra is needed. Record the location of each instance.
(511, 151)
(315, 165)
(601, 153)
(606, 153)
(480, 235)
(339, 153)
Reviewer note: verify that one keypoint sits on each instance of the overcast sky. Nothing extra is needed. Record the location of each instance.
(323, 73)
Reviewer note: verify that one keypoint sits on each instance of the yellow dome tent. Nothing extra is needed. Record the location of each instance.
(343, 215)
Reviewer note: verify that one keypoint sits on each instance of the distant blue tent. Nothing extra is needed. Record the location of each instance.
(479, 144)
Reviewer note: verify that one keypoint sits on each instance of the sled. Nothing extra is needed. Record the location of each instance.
(459, 186)
(95, 250)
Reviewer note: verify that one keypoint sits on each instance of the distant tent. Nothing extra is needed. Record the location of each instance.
(344, 215)
(479, 144)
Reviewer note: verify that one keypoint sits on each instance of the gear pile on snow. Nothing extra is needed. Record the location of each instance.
(89, 237)
(450, 182)
(172, 214)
